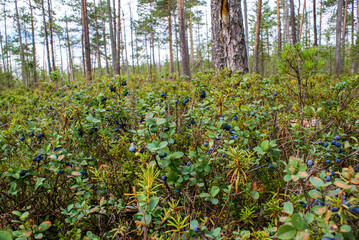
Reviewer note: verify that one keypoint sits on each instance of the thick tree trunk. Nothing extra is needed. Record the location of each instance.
(315, 24)
(85, 27)
(119, 38)
(113, 41)
(183, 39)
(293, 25)
(125, 42)
(256, 40)
(46, 36)
(172, 69)
(279, 30)
(229, 47)
(49, 5)
(22, 53)
(286, 21)
(218, 57)
(33, 44)
(338, 45)
(2, 55)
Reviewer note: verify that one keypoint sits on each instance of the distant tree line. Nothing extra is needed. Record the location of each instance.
(113, 42)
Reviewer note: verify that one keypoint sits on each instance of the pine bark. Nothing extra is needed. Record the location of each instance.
(191, 36)
(132, 50)
(33, 45)
(256, 40)
(246, 27)
(119, 38)
(22, 53)
(97, 38)
(293, 25)
(46, 36)
(183, 39)
(172, 69)
(69, 51)
(286, 21)
(104, 39)
(301, 22)
(229, 47)
(113, 41)
(85, 27)
(315, 23)
(320, 25)
(338, 38)
(49, 4)
(279, 30)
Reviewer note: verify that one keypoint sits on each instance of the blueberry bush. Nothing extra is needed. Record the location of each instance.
(223, 156)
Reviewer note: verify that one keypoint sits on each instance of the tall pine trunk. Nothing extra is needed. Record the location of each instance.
(245, 12)
(104, 39)
(49, 4)
(46, 36)
(33, 44)
(85, 27)
(172, 69)
(256, 40)
(301, 22)
(338, 58)
(279, 30)
(320, 24)
(191, 35)
(97, 38)
(286, 21)
(119, 38)
(183, 39)
(132, 51)
(22, 53)
(293, 25)
(315, 23)
(113, 41)
(71, 65)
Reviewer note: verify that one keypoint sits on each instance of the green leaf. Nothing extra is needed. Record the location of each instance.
(163, 144)
(315, 194)
(215, 232)
(308, 218)
(24, 216)
(265, 145)
(319, 210)
(214, 201)
(203, 195)
(161, 121)
(317, 182)
(44, 226)
(152, 204)
(255, 195)
(214, 191)
(5, 235)
(288, 208)
(151, 121)
(286, 232)
(177, 155)
(298, 222)
(345, 228)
